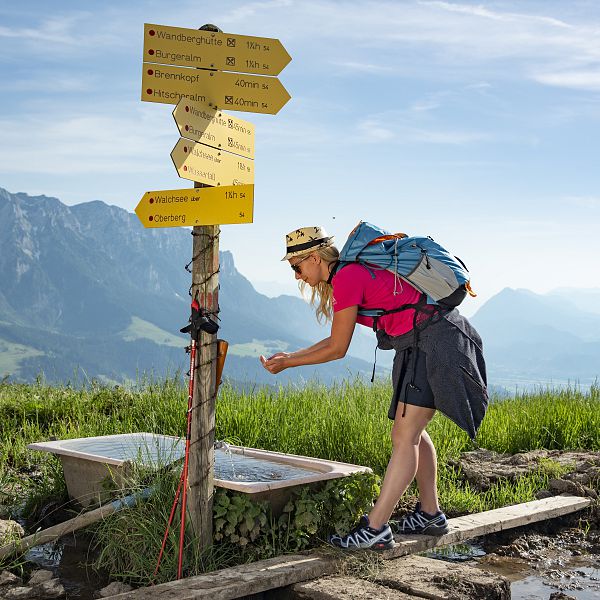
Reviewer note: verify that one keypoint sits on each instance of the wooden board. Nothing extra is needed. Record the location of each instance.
(240, 581)
(491, 521)
(264, 575)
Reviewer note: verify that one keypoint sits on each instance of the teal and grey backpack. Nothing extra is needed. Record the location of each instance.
(426, 265)
(442, 278)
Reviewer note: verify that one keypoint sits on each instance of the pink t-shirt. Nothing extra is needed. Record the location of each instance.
(354, 285)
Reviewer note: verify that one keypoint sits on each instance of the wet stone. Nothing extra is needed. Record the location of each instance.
(430, 578)
(42, 586)
(343, 587)
(16, 593)
(8, 578)
(564, 486)
(541, 494)
(561, 596)
(50, 589)
(112, 589)
(40, 576)
(9, 531)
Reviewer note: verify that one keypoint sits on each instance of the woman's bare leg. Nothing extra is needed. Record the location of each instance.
(407, 434)
(427, 475)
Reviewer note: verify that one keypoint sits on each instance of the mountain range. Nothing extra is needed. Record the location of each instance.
(530, 338)
(87, 293)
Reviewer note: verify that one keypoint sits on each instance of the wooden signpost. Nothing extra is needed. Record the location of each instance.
(202, 72)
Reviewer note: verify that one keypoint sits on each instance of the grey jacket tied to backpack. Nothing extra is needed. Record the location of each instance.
(452, 349)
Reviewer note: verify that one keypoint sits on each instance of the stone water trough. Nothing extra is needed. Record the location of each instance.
(93, 466)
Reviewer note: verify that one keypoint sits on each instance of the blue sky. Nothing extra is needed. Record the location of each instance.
(475, 123)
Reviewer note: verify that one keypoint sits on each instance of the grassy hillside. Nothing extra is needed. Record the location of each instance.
(346, 423)
(12, 354)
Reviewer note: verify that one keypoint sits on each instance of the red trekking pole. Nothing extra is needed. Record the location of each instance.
(184, 475)
(198, 322)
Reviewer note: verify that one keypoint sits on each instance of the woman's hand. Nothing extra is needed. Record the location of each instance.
(279, 355)
(275, 363)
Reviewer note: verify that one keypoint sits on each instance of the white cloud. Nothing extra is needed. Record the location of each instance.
(363, 67)
(349, 34)
(480, 11)
(251, 9)
(71, 32)
(50, 84)
(78, 143)
(405, 127)
(481, 86)
(373, 131)
(580, 80)
(425, 105)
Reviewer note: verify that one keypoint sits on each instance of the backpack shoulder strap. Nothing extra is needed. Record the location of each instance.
(340, 264)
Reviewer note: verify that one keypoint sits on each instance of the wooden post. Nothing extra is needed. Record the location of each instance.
(205, 288)
(205, 285)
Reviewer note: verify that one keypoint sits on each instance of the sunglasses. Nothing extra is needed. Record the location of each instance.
(296, 268)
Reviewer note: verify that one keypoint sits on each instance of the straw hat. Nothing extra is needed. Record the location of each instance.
(301, 240)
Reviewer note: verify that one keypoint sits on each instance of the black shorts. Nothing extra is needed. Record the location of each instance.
(403, 375)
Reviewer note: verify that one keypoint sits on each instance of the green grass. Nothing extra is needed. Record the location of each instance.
(347, 423)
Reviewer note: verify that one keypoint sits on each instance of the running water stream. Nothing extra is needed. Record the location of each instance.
(576, 576)
(536, 565)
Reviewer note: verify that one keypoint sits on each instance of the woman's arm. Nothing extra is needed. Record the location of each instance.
(331, 348)
(308, 350)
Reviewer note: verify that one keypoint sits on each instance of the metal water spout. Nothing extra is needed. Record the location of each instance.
(220, 445)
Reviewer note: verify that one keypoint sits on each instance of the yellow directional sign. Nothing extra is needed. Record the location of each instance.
(210, 50)
(218, 89)
(198, 162)
(214, 128)
(197, 206)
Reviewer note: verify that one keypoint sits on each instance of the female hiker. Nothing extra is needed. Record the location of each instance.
(438, 365)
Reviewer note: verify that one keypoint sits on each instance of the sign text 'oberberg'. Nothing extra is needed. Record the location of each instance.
(197, 206)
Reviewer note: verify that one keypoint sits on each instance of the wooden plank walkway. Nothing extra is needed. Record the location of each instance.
(253, 578)
(491, 521)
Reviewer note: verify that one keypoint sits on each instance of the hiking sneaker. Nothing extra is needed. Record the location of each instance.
(422, 522)
(364, 537)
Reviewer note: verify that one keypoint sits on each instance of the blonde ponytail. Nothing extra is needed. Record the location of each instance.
(321, 295)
